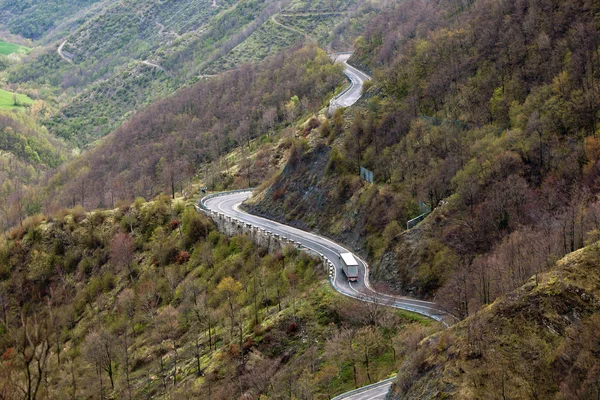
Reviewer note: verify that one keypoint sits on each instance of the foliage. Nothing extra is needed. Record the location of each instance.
(27, 152)
(536, 342)
(33, 19)
(117, 304)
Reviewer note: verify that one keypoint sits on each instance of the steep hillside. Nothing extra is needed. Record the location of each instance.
(150, 301)
(490, 106)
(539, 342)
(127, 54)
(27, 153)
(162, 147)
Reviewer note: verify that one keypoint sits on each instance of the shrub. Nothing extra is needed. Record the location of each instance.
(78, 213)
(182, 257)
(278, 193)
(293, 328)
(194, 227)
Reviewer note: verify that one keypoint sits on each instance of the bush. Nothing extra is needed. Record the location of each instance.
(182, 257)
(293, 328)
(194, 227)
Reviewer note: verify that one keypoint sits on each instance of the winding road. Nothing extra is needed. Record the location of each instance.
(63, 54)
(228, 204)
(354, 91)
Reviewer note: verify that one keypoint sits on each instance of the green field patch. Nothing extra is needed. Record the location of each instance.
(10, 48)
(7, 100)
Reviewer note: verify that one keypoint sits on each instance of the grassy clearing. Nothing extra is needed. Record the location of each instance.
(10, 48)
(7, 100)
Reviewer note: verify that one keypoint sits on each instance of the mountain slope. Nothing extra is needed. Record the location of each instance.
(537, 342)
(127, 54)
(151, 301)
(486, 109)
(163, 146)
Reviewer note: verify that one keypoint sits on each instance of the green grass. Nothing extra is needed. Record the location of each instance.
(7, 100)
(10, 48)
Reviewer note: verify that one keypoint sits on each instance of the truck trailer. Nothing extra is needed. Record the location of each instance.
(350, 266)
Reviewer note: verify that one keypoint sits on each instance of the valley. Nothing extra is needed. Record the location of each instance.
(423, 222)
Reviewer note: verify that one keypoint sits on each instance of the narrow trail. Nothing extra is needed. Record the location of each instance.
(292, 29)
(148, 63)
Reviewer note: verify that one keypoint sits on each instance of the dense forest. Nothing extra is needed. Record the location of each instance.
(33, 19)
(149, 300)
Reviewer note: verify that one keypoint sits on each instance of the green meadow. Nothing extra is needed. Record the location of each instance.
(10, 48)
(8, 101)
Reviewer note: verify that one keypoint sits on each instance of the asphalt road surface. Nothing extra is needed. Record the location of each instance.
(377, 393)
(357, 79)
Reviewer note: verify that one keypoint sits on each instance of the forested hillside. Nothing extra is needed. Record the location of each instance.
(27, 153)
(539, 342)
(149, 300)
(33, 19)
(164, 146)
(489, 106)
(124, 55)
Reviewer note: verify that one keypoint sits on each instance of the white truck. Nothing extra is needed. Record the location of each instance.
(350, 266)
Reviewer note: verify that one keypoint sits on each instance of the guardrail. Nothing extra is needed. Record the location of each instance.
(326, 261)
(364, 389)
(413, 222)
(213, 195)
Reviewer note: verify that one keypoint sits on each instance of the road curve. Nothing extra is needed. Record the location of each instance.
(228, 204)
(62, 54)
(357, 80)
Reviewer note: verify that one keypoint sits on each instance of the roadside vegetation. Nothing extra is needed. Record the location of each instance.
(150, 300)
